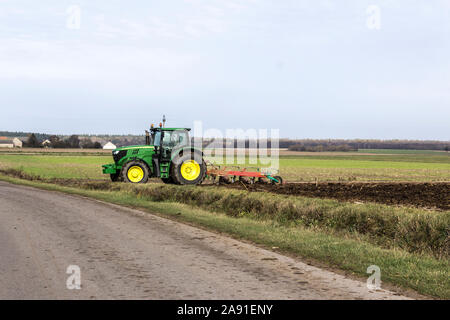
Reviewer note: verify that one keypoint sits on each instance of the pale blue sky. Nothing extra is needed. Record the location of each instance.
(313, 68)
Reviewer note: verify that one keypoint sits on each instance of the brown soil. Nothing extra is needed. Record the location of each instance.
(433, 195)
(428, 195)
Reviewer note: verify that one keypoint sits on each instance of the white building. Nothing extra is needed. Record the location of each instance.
(10, 143)
(46, 143)
(109, 146)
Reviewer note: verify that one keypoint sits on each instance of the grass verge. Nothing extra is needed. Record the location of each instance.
(423, 273)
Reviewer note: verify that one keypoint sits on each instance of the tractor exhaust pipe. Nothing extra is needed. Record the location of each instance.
(147, 137)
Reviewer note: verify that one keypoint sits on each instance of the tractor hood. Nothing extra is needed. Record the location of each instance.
(134, 147)
(120, 153)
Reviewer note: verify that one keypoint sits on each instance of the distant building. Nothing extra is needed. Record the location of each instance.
(109, 146)
(17, 143)
(46, 143)
(6, 142)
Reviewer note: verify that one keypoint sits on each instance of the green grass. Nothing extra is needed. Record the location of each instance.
(400, 151)
(57, 166)
(399, 167)
(365, 168)
(421, 272)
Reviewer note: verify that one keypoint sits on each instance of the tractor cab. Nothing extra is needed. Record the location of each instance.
(165, 140)
(167, 154)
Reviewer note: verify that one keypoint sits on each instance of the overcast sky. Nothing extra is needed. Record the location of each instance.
(313, 69)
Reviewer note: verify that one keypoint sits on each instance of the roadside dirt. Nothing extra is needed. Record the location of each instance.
(425, 195)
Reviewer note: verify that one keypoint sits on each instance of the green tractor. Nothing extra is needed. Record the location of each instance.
(167, 154)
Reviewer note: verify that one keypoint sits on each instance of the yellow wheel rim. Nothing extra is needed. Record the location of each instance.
(135, 174)
(190, 170)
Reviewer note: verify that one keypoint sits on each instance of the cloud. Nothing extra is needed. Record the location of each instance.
(196, 19)
(43, 60)
(308, 58)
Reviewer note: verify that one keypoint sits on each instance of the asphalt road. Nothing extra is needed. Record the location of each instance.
(128, 254)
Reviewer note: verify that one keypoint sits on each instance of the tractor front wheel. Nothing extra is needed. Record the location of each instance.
(188, 169)
(135, 172)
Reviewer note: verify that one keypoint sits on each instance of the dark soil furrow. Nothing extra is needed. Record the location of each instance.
(427, 195)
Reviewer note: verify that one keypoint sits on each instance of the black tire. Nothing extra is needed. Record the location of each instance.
(115, 177)
(130, 164)
(176, 169)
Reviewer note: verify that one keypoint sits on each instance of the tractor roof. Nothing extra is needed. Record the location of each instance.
(169, 129)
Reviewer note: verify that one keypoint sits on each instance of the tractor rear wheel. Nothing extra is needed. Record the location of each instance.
(135, 172)
(187, 169)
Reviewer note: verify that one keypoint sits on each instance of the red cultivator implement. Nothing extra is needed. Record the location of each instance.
(250, 175)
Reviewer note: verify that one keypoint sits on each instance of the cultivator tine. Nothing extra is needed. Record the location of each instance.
(246, 176)
(224, 180)
(245, 180)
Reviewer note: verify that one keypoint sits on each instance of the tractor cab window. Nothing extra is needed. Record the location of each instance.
(166, 139)
(155, 138)
(175, 139)
(179, 138)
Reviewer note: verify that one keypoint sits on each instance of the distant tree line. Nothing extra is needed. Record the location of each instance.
(321, 147)
(127, 140)
(91, 141)
(332, 144)
(39, 136)
(32, 142)
(72, 141)
(357, 144)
